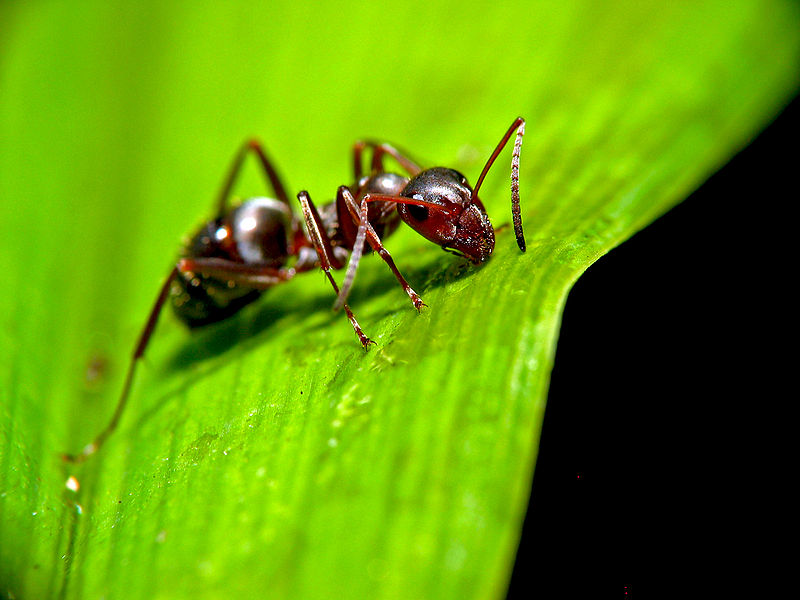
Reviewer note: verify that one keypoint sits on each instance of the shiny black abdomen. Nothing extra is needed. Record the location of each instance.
(255, 233)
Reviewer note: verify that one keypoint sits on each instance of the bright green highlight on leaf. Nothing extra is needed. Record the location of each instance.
(269, 456)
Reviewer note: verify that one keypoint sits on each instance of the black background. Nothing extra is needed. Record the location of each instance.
(652, 425)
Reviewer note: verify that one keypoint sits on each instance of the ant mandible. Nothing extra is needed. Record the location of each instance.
(244, 250)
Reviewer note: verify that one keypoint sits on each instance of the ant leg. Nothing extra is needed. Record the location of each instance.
(138, 352)
(252, 145)
(358, 149)
(519, 125)
(322, 244)
(256, 277)
(378, 151)
(269, 170)
(365, 230)
(230, 179)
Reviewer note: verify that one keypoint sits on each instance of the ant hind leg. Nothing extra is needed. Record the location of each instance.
(141, 346)
(251, 145)
(379, 150)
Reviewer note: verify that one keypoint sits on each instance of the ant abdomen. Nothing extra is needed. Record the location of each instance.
(256, 233)
(261, 229)
(199, 300)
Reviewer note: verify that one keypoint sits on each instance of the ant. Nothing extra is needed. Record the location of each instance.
(437, 203)
(244, 250)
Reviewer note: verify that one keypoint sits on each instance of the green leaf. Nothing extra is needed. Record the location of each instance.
(269, 455)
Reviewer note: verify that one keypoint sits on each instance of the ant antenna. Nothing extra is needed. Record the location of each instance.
(519, 125)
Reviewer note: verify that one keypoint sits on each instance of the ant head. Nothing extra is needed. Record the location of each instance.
(446, 213)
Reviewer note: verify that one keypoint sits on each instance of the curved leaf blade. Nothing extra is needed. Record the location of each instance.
(269, 454)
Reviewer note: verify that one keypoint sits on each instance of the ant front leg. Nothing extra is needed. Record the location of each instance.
(365, 230)
(378, 152)
(141, 346)
(322, 244)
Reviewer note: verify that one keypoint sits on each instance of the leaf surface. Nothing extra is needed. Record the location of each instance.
(269, 455)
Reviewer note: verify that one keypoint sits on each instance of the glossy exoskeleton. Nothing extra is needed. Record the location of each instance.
(258, 244)
(437, 203)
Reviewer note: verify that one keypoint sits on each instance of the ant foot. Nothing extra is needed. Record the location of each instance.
(79, 458)
(365, 341)
(418, 303)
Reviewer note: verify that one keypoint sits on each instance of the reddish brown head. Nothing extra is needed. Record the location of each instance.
(446, 214)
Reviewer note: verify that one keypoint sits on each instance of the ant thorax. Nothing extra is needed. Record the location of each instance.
(382, 215)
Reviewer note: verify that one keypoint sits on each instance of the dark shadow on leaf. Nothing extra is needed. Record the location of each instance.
(249, 326)
(214, 340)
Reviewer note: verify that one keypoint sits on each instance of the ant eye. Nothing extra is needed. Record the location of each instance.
(419, 213)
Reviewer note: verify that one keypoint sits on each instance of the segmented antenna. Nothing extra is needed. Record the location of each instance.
(519, 125)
